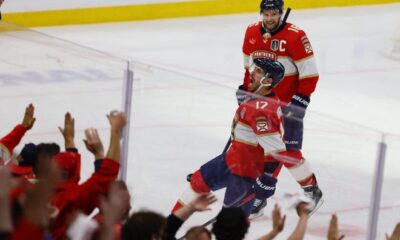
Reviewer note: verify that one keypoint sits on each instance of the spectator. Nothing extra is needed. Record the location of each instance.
(278, 223)
(95, 146)
(5, 205)
(12, 139)
(35, 219)
(113, 212)
(44, 153)
(71, 197)
(25, 160)
(177, 218)
(395, 234)
(333, 231)
(144, 225)
(303, 210)
(198, 233)
(231, 224)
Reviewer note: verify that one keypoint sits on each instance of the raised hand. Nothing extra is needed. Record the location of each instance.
(117, 120)
(333, 231)
(114, 206)
(278, 222)
(201, 202)
(29, 119)
(68, 131)
(93, 143)
(395, 234)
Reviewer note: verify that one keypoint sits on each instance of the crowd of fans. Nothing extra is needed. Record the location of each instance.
(42, 197)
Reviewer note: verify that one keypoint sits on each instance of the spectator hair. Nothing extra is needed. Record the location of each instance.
(195, 232)
(144, 225)
(231, 224)
(44, 150)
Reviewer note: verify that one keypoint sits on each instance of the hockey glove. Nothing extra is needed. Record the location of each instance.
(265, 186)
(297, 107)
(241, 94)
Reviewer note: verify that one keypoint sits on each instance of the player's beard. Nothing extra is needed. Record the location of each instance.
(271, 25)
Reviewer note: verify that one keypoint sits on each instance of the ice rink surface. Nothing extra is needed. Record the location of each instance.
(186, 72)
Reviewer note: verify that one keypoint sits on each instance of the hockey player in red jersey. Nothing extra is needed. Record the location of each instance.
(274, 38)
(256, 137)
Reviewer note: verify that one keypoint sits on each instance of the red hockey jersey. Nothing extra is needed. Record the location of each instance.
(256, 133)
(291, 47)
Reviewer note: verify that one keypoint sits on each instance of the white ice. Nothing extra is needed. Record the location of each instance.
(186, 72)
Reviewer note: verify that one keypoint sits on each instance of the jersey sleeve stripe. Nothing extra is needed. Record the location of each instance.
(290, 67)
(271, 143)
(307, 67)
(244, 133)
(274, 153)
(309, 76)
(303, 59)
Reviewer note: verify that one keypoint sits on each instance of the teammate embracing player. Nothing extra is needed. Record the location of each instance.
(274, 38)
(256, 136)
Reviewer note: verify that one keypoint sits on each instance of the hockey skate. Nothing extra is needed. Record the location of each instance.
(315, 194)
(258, 208)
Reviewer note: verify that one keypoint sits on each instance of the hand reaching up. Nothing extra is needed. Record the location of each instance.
(68, 131)
(93, 143)
(29, 119)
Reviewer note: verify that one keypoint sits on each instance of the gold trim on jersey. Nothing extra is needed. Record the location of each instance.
(273, 152)
(303, 59)
(268, 134)
(245, 142)
(309, 76)
(291, 74)
(244, 125)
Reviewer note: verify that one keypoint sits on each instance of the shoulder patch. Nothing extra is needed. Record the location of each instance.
(306, 43)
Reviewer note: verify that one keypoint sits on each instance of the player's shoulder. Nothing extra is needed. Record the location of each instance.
(262, 105)
(293, 31)
(254, 26)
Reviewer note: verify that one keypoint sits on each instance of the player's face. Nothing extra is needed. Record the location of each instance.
(256, 74)
(271, 19)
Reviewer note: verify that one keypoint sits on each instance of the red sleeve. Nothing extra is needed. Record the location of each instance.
(26, 230)
(303, 55)
(246, 45)
(246, 54)
(88, 193)
(13, 138)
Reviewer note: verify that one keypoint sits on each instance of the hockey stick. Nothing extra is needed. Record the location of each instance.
(238, 204)
(227, 145)
(286, 15)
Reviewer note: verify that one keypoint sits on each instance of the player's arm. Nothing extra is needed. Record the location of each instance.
(241, 92)
(246, 49)
(269, 136)
(300, 50)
